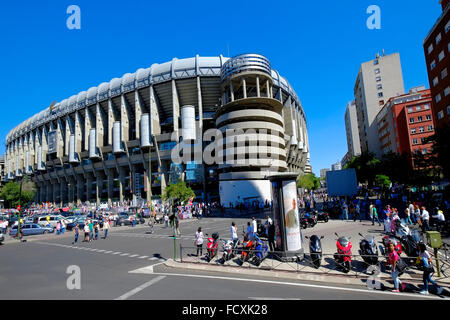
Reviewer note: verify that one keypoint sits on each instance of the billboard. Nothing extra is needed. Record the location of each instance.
(292, 225)
(342, 183)
(52, 142)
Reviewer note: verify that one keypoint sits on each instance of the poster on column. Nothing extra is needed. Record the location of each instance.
(292, 225)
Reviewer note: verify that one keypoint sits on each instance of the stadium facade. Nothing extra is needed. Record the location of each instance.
(94, 147)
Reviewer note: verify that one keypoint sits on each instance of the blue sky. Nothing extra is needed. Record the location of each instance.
(317, 45)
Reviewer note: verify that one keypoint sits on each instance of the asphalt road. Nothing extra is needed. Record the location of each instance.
(37, 269)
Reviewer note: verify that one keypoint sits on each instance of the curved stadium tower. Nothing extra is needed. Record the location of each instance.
(94, 147)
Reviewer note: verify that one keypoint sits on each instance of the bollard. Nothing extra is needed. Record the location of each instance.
(437, 262)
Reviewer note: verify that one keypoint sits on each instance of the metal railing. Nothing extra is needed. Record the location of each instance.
(359, 265)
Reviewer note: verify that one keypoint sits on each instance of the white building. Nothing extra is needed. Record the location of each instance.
(377, 81)
(351, 130)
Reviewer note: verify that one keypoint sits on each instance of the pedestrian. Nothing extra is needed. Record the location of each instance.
(63, 226)
(234, 236)
(87, 236)
(386, 218)
(105, 228)
(412, 213)
(248, 233)
(96, 229)
(199, 241)
(267, 224)
(425, 260)
(393, 260)
(166, 221)
(254, 227)
(58, 227)
(408, 216)
(271, 237)
(76, 230)
(150, 225)
(200, 212)
(417, 214)
(91, 230)
(425, 220)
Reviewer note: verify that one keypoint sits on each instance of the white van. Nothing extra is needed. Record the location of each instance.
(53, 220)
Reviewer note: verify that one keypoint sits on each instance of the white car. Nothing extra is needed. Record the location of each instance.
(53, 220)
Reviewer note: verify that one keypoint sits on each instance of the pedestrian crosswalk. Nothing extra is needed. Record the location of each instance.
(114, 253)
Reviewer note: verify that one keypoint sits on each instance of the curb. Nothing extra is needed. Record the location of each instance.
(284, 274)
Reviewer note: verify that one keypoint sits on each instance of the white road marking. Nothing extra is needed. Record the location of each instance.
(124, 254)
(143, 257)
(117, 253)
(267, 298)
(149, 270)
(140, 288)
(134, 255)
(107, 251)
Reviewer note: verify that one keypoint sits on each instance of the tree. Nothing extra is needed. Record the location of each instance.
(382, 181)
(397, 167)
(366, 166)
(10, 193)
(441, 149)
(177, 193)
(308, 181)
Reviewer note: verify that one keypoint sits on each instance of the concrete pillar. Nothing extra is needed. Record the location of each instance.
(122, 184)
(87, 127)
(138, 113)
(111, 120)
(110, 186)
(267, 89)
(124, 121)
(99, 188)
(100, 120)
(231, 91)
(244, 88)
(80, 189)
(176, 106)
(258, 89)
(89, 181)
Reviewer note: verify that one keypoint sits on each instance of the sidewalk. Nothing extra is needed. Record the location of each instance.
(303, 271)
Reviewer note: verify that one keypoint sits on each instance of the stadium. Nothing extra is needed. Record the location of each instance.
(118, 141)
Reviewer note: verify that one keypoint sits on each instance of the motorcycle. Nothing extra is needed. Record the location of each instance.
(401, 230)
(212, 246)
(247, 247)
(312, 220)
(410, 244)
(315, 250)
(368, 250)
(344, 252)
(304, 222)
(322, 216)
(388, 239)
(228, 250)
(261, 250)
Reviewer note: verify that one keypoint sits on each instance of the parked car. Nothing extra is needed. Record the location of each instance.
(42, 220)
(81, 222)
(29, 229)
(2, 237)
(124, 219)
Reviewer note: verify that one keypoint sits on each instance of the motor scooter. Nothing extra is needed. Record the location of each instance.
(388, 239)
(312, 220)
(315, 250)
(211, 246)
(228, 250)
(344, 252)
(410, 244)
(322, 216)
(368, 250)
(401, 230)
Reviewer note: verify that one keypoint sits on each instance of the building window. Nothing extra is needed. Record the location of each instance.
(448, 109)
(419, 119)
(421, 129)
(378, 79)
(438, 98)
(435, 81)
(380, 94)
(438, 38)
(379, 86)
(441, 55)
(411, 120)
(447, 27)
(410, 109)
(444, 73)
(425, 151)
(430, 127)
(440, 114)
(430, 48)
(415, 141)
(447, 91)
(413, 130)
(426, 106)
(433, 64)
(377, 71)
(428, 116)
(422, 140)
(418, 108)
